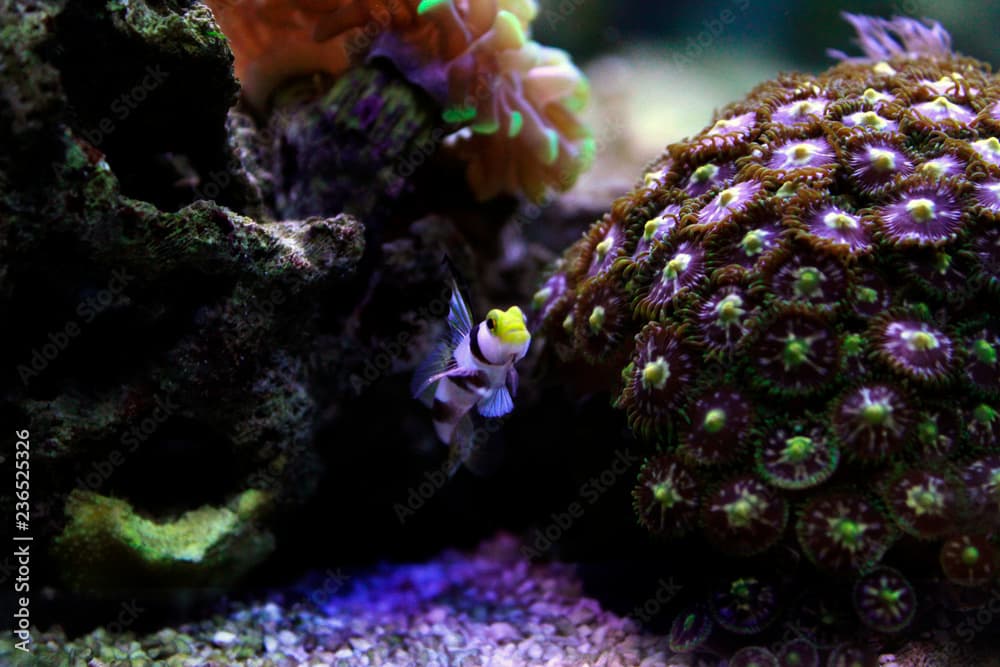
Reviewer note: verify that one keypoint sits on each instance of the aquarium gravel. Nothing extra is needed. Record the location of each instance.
(489, 608)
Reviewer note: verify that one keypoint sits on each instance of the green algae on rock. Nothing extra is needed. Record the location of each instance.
(171, 313)
(145, 83)
(106, 545)
(233, 378)
(818, 266)
(154, 331)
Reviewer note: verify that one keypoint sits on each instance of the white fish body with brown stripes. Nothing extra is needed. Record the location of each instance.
(473, 366)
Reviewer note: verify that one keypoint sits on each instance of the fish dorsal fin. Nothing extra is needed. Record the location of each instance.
(459, 317)
(441, 360)
(497, 404)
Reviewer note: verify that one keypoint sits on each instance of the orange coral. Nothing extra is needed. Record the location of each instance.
(514, 102)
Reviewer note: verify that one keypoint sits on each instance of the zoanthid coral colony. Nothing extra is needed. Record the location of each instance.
(511, 104)
(799, 308)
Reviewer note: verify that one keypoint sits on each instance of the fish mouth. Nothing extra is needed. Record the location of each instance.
(516, 336)
(513, 328)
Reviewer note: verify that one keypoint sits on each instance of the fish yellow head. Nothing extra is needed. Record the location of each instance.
(508, 326)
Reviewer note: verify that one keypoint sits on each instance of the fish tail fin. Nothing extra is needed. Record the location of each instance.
(462, 441)
(478, 450)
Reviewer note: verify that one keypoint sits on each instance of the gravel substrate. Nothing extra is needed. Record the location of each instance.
(491, 608)
(488, 609)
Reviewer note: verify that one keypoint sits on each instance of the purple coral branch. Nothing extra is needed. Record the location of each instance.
(882, 39)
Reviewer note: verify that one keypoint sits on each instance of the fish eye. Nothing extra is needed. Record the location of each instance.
(491, 323)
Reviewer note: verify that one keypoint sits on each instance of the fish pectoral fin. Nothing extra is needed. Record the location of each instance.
(512, 381)
(497, 403)
(435, 366)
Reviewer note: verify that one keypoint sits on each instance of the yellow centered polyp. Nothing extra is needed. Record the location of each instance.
(798, 448)
(752, 243)
(932, 169)
(847, 532)
(651, 227)
(970, 555)
(729, 309)
(839, 221)
(921, 210)
(540, 297)
(676, 266)
(704, 173)
(603, 247)
(872, 96)
(715, 420)
(666, 494)
(875, 413)
(796, 352)
(923, 341)
(882, 160)
(872, 120)
(596, 319)
(803, 152)
(809, 280)
(655, 373)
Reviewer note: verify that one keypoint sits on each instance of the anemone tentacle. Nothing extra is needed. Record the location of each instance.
(513, 103)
